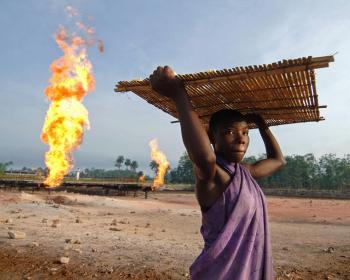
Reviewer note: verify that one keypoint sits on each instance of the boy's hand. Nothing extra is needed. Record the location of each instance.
(257, 119)
(164, 81)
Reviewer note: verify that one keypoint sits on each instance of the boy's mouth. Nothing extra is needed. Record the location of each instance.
(238, 150)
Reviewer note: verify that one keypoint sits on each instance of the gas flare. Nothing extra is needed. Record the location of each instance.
(162, 162)
(67, 117)
(142, 179)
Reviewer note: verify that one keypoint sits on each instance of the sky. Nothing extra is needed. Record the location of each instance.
(191, 36)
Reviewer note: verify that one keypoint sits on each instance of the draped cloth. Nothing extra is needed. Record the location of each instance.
(235, 232)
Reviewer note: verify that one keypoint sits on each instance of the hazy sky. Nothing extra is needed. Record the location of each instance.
(189, 35)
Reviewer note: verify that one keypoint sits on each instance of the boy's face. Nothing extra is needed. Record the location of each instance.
(231, 140)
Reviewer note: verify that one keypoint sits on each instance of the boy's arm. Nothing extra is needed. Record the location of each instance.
(194, 136)
(275, 159)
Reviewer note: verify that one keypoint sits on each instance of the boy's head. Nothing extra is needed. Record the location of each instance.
(228, 132)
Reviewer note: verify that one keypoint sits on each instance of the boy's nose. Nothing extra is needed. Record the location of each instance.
(241, 140)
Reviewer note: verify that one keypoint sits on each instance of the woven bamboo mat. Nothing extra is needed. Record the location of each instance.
(283, 92)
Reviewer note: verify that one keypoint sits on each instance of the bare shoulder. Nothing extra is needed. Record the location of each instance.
(247, 166)
(209, 190)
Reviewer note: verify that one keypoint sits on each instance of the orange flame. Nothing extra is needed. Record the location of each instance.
(142, 178)
(67, 117)
(163, 164)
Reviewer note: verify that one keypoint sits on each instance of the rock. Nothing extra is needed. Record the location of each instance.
(114, 222)
(8, 221)
(285, 249)
(64, 260)
(115, 229)
(60, 199)
(17, 235)
(68, 240)
(287, 274)
(67, 247)
(44, 221)
(35, 244)
(93, 250)
(78, 251)
(56, 223)
(329, 250)
(147, 225)
(132, 212)
(110, 270)
(105, 269)
(78, 241)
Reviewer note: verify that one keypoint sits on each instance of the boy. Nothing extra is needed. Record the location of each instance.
(234, 216)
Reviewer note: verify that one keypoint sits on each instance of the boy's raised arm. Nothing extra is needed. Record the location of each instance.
(275, 159)
(194, 136)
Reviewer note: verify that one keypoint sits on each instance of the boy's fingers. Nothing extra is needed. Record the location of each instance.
(168, 71)
(159, 69)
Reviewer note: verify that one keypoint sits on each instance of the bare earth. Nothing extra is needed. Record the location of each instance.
(157, 238)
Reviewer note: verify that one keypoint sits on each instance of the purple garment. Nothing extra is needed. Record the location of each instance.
(235, 231)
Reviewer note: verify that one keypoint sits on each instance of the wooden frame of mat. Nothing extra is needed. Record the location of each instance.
(283, 92)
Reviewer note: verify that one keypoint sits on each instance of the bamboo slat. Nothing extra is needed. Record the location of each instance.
(283, 92)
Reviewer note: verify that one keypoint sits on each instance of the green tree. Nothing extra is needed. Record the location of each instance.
(154, 166)
(127, 163)
(334, 172)
(119, 162)
(134, 165)
(4, 166)
(183, 173)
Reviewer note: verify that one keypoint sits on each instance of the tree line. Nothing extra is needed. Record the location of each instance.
(308, 172)
(128, 163)
(129, 170)
(301, 171)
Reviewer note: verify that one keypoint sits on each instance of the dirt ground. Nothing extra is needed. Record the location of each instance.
(157, 238)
